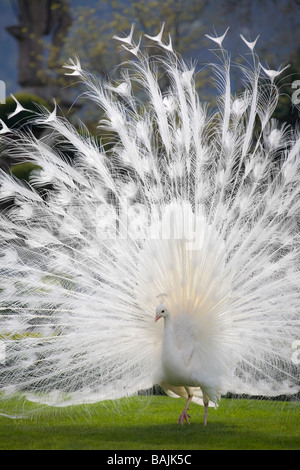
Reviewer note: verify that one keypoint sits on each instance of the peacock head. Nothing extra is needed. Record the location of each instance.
(161, 312)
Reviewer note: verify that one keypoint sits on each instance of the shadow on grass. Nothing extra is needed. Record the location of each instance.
(196, 436)
(154, 437)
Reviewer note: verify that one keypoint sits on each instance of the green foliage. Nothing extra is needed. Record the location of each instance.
(19, 336)
(23, 170)
(149, 423)
(95, 27)
(28, 101)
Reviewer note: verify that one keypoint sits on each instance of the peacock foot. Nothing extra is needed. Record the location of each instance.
(184, 417)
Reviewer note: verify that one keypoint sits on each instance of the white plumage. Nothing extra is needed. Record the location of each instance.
(189, 215)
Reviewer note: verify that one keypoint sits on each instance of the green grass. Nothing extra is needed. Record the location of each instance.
(149, 423)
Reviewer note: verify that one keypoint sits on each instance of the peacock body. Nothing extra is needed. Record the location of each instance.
(191, 215)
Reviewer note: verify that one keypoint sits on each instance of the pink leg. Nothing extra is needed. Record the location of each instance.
(184, 416)
(205, 413)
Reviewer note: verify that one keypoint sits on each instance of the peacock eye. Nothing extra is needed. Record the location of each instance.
(162, 311)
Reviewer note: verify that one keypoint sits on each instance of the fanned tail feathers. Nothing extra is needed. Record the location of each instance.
(202, 207)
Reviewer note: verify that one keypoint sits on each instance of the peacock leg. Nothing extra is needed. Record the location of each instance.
(205, 413)
(184, 415)
(205, 402)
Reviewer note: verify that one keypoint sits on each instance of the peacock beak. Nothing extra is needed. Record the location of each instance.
(157, 317)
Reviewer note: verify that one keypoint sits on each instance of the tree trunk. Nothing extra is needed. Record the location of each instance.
(38, 19)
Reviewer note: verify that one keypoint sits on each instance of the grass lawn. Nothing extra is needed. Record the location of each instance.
(149, 423)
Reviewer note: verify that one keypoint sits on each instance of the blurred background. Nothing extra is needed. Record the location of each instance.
(38, 37)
